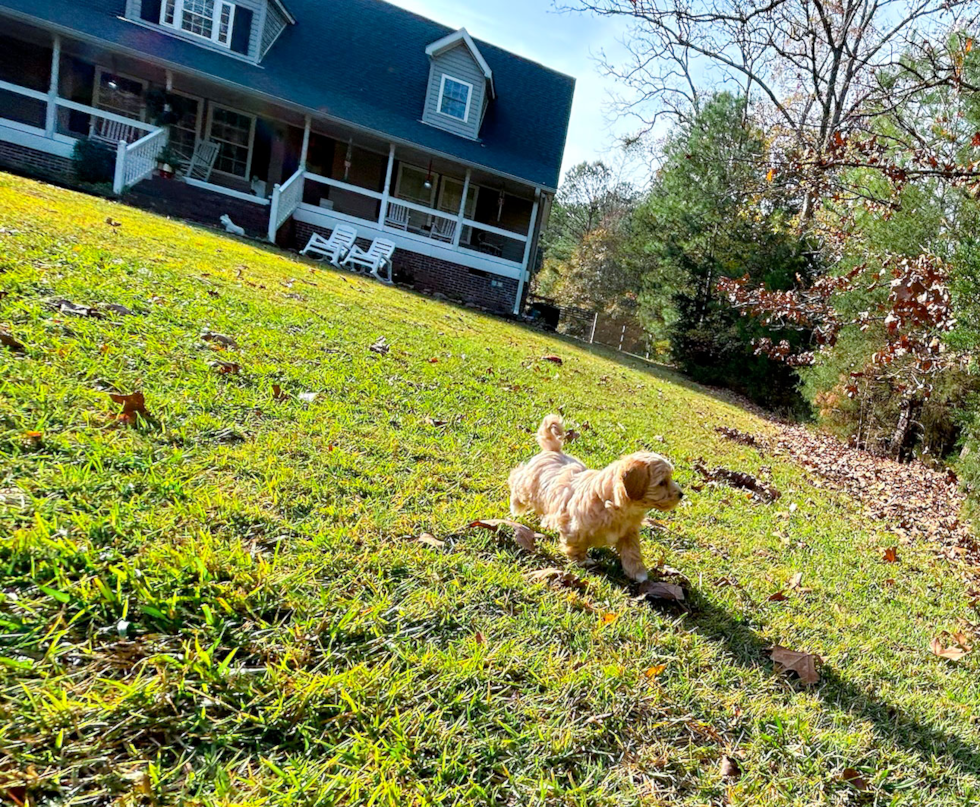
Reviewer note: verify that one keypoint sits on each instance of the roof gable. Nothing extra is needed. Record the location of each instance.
(462, 37)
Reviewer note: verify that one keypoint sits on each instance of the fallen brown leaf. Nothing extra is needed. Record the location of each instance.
(656, 590)
(380, 347)
(430, 540)
(63, 306)
(226, 368)
(133, 405)
(891, 555)
(557, 577)
(8, 341)
(779, 596)
(608, 619)
(796, 580)
(958, 648)
(854, 779)
(112, 222)
(803, 664)
(730, 769)
(553, 359)
(655, 670)
(219, 339)
(524, 537)
(278, 394)
(431, 421)
(115, 308)
(737, 479)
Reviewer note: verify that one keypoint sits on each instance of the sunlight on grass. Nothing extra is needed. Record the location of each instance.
(227, 603)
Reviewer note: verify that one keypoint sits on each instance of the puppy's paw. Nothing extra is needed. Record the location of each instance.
(642, 577)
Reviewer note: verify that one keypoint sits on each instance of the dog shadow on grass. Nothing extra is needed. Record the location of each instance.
(890, 723)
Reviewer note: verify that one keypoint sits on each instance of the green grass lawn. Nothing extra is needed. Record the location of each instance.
(227, 603)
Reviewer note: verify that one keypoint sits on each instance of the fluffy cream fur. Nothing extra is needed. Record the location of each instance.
(593, 508)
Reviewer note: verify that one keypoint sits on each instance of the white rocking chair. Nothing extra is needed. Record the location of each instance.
(443, 230)
(114, 132)
(397, 216)
(377, 257)
(335, 248)
(202, 163)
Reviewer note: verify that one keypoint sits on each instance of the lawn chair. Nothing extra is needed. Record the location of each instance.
(202, 163)
(443, 230)
(113, 132)
(377, 257)
(335, 248)
(397, 216)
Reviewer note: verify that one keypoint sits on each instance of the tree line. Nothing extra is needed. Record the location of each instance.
(809, 236)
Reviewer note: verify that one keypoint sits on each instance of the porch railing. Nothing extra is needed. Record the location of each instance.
(136, 161)
(285, 199)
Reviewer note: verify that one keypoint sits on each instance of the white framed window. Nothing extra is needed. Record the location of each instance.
(119, 93)
(451, 194)
(454, 98)
(411, 185)
(234, 132)
(209, 19)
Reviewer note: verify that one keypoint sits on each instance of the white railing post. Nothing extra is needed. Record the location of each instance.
(119, 180)
(527, 252)
(51, 115)
(386, 190)
(306, 143)
(274, 213)
(462, 208)
(595, 321)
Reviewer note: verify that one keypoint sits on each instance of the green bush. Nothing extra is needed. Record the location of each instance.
(95, 162)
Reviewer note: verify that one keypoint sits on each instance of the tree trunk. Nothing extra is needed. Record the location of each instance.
(903, 429)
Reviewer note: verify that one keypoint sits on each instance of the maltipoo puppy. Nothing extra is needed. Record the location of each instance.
(593, 508)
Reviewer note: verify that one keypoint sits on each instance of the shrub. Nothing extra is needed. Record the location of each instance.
(95, 162)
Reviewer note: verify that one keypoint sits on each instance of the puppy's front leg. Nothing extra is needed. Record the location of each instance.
(632, 557)
(574, 549)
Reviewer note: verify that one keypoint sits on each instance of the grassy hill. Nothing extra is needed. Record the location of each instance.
(227, 602)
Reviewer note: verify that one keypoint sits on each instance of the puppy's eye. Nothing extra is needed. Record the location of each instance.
(663, 484)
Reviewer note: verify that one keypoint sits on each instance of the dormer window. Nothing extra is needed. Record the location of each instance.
(209, 19)
(454, 98)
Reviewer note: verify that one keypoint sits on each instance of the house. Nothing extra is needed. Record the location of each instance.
(294, 116)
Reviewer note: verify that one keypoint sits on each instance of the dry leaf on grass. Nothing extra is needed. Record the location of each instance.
(654, 671)
(952, 650)
(431, 421)
(854, 779)
(134, 406)
(63, 306)
(656, 590)
(524, 537)
(226, 368)
(779, 596)
(738, 437)
(115, 308)
(736, 479)
(430, 540)
(730, 769)
(608, 619)
(278, 394)
(803, 664)
(112, 222)
(380, 347)
(796, 580)
(557, 577)
(308, 397)
(219, 339)
(553, 359)
(891, 555)
(8, 341)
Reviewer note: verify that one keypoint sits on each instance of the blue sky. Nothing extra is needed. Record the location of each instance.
(566, 42)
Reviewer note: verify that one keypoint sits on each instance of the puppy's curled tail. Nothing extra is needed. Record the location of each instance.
(551, 433)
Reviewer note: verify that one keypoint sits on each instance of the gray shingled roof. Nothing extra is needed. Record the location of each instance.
(361, 61)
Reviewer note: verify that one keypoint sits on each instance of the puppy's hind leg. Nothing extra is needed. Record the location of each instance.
(631, 557)
(517, 507)
(574, 550)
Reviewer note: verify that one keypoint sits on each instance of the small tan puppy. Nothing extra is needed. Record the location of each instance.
(593, 508)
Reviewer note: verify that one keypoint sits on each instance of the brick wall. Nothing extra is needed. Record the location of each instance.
(435, 276)
(23, 160)
(170, 197)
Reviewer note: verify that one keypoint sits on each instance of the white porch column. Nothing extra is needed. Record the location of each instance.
(462, 208)
(386, 191)
(51, 117)
(527, 251)
(306, 143)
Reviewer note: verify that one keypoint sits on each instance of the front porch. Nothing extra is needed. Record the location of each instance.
(274, 165)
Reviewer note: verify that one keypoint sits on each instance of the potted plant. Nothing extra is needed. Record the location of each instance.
(167, 161)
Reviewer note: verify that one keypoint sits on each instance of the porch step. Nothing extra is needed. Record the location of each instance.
(171, 197)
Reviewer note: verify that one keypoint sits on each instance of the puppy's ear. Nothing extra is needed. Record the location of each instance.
(636, 480)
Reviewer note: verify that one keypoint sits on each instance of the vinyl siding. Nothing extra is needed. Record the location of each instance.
(133, 12)
(275, 22)
(456, 63)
